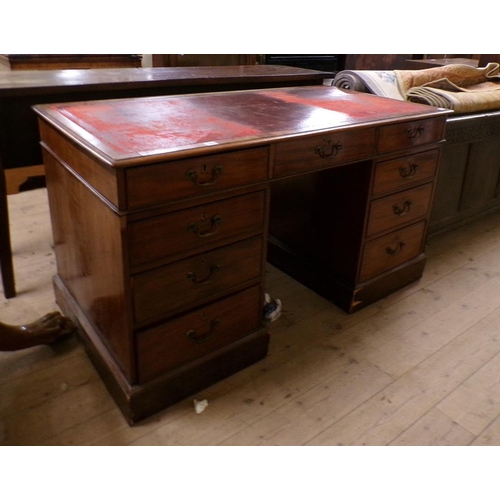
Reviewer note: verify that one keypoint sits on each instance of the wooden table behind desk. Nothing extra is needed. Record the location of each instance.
(20, 90)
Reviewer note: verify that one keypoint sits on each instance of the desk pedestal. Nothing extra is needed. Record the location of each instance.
(163, 210)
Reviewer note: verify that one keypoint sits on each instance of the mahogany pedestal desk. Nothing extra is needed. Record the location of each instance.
(20, 90)
(163, 210)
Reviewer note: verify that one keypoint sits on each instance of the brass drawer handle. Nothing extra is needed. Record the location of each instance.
(415, 132)
(398, 210)
(195, 228)
(214, 268)
(200, 339)
(193, 176)
(395, 251)
(409, 171)
(328, 151)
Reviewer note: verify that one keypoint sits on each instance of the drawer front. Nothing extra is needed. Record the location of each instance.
(192, 229)
(321, 151)
(176, 180)
(410, 134)
(391, 250)
(197, 334)
(399, 208)
(402, 172)
(173, 287)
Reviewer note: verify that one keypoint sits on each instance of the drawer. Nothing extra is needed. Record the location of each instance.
(399, 208)
(402, 172)
(391, 250)
(176, 180)
(310, 153)
(410, 134)
(171, 288)
(193, 229)
(197, 334)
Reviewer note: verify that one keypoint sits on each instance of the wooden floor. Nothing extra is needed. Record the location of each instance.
(421, 367)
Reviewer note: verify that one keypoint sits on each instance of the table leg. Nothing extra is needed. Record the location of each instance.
(6, 265)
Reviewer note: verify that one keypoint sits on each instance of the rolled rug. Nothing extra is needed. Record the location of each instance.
(349, 80)
(459, 87)
(460, 102)
(381, 83)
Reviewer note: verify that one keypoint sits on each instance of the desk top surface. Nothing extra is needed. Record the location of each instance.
(121, 131)
(18, 82)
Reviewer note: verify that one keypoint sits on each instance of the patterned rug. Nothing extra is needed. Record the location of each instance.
(381, 83)
(459, 87)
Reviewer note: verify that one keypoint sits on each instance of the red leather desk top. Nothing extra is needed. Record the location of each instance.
(127, 129)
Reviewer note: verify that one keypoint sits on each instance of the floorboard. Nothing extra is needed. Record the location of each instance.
(418, 368)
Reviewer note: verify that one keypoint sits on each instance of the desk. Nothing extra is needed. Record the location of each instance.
(20, 90)
(162, 209)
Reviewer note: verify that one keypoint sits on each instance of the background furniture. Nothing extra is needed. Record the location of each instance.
(375, 61)
(404, 61)
(164, 268)
(6, 266)
(468, 182)
(320, 62)
(172, 60)
(435, 62)
(20, 90)
(68, 61)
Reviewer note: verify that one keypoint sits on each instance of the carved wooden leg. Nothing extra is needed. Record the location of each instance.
(6, 266)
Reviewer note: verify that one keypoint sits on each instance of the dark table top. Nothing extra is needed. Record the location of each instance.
(20, 90)
(20, 82)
